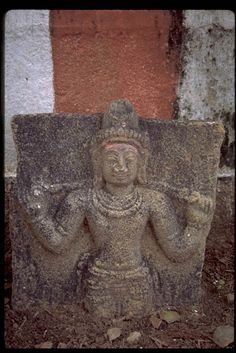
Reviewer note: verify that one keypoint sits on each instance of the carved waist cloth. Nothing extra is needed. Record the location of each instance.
(101, 278)
(114, 206)
(119, 292)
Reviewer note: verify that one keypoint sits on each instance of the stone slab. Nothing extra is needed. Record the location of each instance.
(53, 149)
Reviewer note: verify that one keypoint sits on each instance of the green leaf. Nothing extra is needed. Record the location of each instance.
(220, 284)
(169, 316)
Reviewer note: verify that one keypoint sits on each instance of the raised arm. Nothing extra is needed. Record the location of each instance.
(54, 229)
(179, 243)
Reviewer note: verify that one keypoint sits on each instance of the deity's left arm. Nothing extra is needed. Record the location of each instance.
(177, 242)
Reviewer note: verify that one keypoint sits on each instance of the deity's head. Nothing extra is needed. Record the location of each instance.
(120, 150)
(119, 163)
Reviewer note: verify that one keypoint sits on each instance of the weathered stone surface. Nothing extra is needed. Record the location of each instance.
(112, 211)
(222, 227)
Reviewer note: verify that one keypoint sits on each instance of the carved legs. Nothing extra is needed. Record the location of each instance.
(119, 293)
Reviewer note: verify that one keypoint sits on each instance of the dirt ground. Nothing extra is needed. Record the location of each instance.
(64, 328)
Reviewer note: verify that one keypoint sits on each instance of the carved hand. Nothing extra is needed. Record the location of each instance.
(37, 201)
(199, 209)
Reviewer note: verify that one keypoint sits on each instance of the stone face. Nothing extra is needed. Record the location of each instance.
(113, 213)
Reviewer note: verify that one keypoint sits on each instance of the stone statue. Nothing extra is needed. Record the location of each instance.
(116, 278)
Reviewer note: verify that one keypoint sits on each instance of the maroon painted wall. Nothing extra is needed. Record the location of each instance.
(101, 55)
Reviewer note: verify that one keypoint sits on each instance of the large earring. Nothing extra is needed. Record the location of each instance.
(142, 167)
(97, 171)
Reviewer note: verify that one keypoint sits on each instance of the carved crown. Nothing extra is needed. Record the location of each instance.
(120, 124)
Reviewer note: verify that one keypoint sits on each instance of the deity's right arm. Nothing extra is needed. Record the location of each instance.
(174, 242)
(179, 242)
(55, 231)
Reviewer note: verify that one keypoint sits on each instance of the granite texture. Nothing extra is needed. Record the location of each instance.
(75, 239)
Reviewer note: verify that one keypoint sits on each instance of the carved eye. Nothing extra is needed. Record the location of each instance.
(130, 160)
(111, 160)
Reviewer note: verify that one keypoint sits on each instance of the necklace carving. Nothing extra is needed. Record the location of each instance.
(116, 206)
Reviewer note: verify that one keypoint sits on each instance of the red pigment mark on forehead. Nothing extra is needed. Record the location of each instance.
(120, 146)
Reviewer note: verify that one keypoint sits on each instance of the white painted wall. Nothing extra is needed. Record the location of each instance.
(206, 90)
(28, 70)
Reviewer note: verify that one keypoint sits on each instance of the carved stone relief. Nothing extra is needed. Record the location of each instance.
(112, 210)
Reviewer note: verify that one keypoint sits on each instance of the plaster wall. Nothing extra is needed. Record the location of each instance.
(206, 90)
(28, 70)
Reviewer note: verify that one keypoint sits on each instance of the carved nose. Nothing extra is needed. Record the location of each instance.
(121, 166)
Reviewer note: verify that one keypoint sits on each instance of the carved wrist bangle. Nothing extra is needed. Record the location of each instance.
(194, 225)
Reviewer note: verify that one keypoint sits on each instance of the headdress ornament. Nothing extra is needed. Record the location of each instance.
(120, 124)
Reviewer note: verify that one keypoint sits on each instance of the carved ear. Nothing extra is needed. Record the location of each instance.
(142, 166)
(97, 170)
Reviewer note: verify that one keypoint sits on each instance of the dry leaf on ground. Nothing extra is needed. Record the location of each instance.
(223, 335)
(47, 344)
(113, 333)
(133, 337)
(158, 342)
(230, 298)
(155, 321)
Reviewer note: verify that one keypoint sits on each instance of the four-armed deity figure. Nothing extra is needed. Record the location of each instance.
(118, 208)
